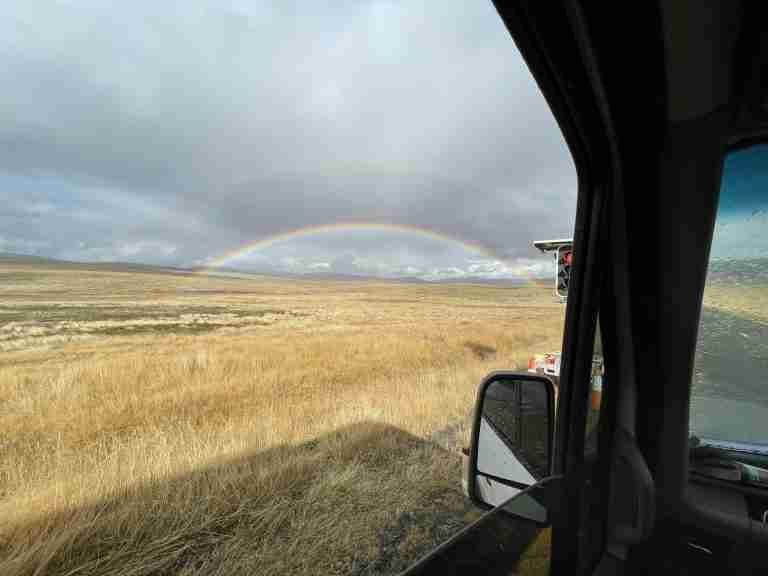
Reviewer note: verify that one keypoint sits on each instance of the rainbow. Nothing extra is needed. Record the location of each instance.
(268, 241)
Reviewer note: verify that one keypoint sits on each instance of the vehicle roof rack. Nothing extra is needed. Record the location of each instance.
(552, 245)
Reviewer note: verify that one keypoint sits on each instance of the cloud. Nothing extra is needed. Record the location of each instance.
(147, 248)
(207, 125)
(385, 254)
(38, 208)
(22, 245)
(319, 266)
(520, 267)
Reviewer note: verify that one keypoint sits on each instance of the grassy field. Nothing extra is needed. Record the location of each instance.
(158, 423)
(745, 301)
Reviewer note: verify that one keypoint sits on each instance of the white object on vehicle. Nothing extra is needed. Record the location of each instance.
(562, 252)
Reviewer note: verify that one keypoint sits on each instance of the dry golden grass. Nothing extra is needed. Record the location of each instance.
(262, 427)
(749, 301)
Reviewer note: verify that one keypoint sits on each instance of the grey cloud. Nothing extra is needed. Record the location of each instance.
(208, 126)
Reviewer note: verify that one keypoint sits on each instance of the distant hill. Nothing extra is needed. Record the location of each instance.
(485, 281)
(31, 260)
(9, 258)
(744, 271)
(335, 277)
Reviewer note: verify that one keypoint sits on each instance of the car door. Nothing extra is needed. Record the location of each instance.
(719, 524)
(556, 45)
(677, 109)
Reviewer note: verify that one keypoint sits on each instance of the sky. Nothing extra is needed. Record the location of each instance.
(742, 216)
(176, 133)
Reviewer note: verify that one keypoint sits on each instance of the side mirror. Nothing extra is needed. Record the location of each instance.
(511, 439)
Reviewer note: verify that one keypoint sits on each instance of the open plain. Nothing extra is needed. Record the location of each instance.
(158, 422)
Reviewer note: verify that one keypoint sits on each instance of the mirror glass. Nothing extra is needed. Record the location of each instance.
(513, 442)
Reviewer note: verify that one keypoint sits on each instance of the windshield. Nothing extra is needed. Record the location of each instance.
(729, 403)
(255, 259)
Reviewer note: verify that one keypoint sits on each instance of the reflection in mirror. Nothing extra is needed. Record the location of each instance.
(513, 439)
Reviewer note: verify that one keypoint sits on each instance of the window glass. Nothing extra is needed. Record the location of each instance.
(729, 399)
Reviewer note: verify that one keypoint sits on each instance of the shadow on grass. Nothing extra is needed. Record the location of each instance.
(366, 499)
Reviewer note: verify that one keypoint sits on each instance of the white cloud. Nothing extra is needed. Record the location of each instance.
(319, 266)
(22, 245)
(90, 252)
(147, 248)
(385, 254)
(448, 273)
(291, 263)
(39, 208)
(154, 251)
(498, 269)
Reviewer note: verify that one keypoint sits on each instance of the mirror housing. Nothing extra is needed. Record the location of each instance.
(512, 439)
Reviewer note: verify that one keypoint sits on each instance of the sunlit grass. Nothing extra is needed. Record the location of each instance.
(302, 445)
(747, 301)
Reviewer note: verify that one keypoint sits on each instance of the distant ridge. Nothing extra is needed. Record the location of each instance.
(741, 271)
(10, 258)
(369, 278)
(32, 260)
